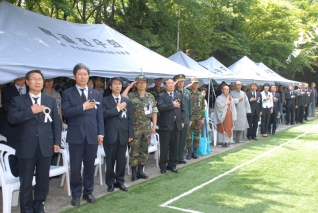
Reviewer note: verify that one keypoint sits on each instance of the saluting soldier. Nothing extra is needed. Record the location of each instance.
(198, 105)
(186, 101)
(144, 109)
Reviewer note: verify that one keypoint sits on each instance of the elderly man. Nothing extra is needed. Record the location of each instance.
(225, 115)
(242, 106)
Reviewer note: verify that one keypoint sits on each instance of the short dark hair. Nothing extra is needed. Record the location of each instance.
(266, 84)
(202, 89)
(110, 82)
(312, 83)
(166, 79)
(27, 76)
(80, 66)
(254, 84)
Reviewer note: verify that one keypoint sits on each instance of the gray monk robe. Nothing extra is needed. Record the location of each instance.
(224, 116)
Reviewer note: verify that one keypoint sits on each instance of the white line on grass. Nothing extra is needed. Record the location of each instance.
(166, 204)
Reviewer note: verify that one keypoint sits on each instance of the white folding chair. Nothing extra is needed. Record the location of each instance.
(211, 122)
(2, 138)
(154, 146)
(10, 185)
(64, 169)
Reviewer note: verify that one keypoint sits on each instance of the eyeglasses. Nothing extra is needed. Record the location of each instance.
(36, 80)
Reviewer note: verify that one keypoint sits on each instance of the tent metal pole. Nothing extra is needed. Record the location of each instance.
(178, 34)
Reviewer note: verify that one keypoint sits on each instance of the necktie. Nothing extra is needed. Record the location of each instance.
(36, 100)
(171, 97)
(83, 95)
(117, 100)
(20, 91)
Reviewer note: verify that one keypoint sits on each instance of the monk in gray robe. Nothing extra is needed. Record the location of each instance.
(224, 116)
(242, 106)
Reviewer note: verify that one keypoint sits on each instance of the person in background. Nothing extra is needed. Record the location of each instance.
(187, 120)
(308, 101)
(157, 89)
(301, 103)
(267, 109)
(243, 107)
(11, 131)
(198, 119)
(255, 100)
(224, 116)
(219, 90)
(291, 103)
(39, 136)
(98, 85)
(232, 87)
(313, 98)
(276, 110)
(90, 83)
(2, 113)
(82, 107)
(204, 144)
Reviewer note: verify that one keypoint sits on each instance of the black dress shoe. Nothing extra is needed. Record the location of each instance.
(110, 188)
(254, 138)
(89, 198)
(121, 187)
(75, 202)
(273, 133)
(172, 169)
(182, 162)
(249, 138)
(163, 170)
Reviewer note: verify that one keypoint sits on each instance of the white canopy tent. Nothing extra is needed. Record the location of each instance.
(219, 70)
(33, 41)
(247, 72)
(276, 77)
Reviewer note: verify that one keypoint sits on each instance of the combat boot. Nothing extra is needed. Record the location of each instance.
(194, 154)
(189, 154)
(140, 173)
(133, 173)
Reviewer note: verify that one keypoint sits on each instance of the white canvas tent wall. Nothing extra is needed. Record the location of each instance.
(33, 41)
(219, 70)
(276, 77)
(248, 72)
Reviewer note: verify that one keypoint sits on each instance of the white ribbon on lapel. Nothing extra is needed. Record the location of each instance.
(47, 112)
(123, 114)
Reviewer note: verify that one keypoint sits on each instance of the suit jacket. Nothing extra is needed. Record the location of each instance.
(187, 106)
(313, 96)
(82, 123)
(277, 104)
(301, 98)
(291, 102)
(308, 97)
(168, 112)
(7, 93)
(32, 128)
(256, 106)
(115, 124)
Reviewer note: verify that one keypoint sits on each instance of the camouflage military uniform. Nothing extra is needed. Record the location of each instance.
(155, 92)
(142, 129)
(198, 105)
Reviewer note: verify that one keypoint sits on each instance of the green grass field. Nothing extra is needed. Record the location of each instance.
(279, 174)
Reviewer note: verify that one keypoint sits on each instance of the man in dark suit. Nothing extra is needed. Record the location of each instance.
(301, 103)
(276, 109)
(291, 103)
(119, 130)
(313, 90)
(10, 131)
(82, 106)
(171, 122)
(308, 101)
(39, 137)
(255, 100)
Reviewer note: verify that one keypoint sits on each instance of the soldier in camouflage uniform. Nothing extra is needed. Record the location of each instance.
(157, 89)
(145, 108)
(198, 105)
(187, 119)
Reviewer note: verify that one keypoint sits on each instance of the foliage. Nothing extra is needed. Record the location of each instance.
(264, 30)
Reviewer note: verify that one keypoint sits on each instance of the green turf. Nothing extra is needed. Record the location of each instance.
(283, 181)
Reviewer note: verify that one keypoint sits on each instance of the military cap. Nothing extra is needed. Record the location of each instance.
(141, 78)
(179, 77)
(194, 80)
